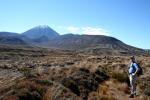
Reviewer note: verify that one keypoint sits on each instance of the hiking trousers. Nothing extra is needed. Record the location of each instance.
(133, 83)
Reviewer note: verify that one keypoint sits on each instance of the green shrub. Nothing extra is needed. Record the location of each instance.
(103, 73)
(147, 88)
(71, 84)
(40, 90)
(26, 71)
(84, 70)
(121, 77)
(44, 82)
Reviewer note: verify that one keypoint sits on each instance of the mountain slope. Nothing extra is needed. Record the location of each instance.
(12, 41)
(8, 34)
(40, 31)
(96, 43)
(11, 38)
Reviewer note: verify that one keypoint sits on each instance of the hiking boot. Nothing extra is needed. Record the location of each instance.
(135, 94)
(131, 96)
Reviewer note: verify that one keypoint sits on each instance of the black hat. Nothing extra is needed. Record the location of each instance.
(132, 58)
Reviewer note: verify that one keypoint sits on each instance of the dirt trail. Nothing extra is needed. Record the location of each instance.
(119, 91)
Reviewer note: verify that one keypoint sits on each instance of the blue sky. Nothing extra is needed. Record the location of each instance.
(127, 20)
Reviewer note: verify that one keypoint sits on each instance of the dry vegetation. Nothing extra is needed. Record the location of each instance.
(63, 75)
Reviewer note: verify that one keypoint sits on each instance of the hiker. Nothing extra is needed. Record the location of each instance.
(133, 70)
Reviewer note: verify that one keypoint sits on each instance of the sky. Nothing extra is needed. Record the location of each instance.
(127, 20)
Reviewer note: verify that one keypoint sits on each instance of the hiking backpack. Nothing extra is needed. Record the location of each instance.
(140, 71)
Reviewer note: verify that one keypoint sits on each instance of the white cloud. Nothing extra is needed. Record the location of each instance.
(93, 31)
(73, 29)
(84, 30)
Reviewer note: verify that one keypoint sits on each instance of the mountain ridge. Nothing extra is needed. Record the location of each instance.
(85, 42)
(44, 36)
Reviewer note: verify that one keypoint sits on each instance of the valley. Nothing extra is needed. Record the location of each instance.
(44, 74)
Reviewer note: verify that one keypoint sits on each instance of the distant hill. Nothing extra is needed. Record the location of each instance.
(97, 44)
(76, 42)
(11, 38)
(40, 32)
(2, 34)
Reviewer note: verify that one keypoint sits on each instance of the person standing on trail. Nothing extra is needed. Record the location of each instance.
(133, 69)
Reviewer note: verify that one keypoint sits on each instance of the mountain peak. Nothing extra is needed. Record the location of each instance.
(42, 26)
(40, 31)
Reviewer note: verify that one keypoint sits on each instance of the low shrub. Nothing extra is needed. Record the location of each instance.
(147, 88)
(84, 70)
(71, 84)
(121, 77)
(11, 97)
(105, 97)
(40, 90)
(102, 73)
(26, 71)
